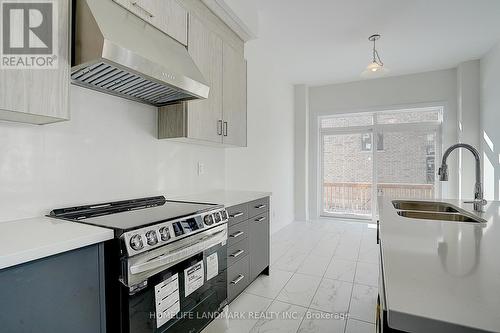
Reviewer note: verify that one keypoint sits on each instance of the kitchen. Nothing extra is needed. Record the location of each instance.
(244, 170)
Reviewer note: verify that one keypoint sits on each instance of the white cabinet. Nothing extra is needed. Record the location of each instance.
(39, 96)
(166, 15)
(234, 101)
(220, 119)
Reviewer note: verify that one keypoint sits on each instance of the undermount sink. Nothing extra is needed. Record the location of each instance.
(439, 216)
(425, 206)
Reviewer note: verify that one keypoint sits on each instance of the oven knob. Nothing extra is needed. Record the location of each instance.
(209, 220)
(224, 214)
(136, 242)
(217, 217)
(152, 237)
(164, 234)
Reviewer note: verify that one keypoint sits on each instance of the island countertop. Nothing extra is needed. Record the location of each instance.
(441, 276)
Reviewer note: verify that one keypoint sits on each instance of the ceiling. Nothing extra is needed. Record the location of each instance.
(326, 41)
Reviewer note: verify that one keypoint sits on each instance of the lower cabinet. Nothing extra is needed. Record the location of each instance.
(60, 293)
(248, 244)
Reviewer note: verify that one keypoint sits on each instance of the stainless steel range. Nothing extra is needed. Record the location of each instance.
(166, 266)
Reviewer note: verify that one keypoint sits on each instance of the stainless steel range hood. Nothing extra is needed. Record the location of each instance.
(117, 53)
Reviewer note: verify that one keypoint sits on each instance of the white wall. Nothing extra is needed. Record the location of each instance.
(490, 120)
(267, 163)
(301, 146)
(431, 88)
(108, 151)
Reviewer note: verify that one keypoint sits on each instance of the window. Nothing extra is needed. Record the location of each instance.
(403, 164)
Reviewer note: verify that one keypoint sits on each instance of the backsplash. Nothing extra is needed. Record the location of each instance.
(107, 151)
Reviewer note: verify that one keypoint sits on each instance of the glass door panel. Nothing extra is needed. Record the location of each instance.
(347, 174)
(406, 163)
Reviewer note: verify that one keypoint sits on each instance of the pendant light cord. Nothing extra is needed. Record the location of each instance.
(376, 57)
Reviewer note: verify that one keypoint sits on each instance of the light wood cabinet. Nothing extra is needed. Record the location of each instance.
(39, 96)
(168, 16)
(220, 119)
(235, 98)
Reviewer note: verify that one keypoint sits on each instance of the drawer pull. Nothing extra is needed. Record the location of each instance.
(260, 219)
(238, 279)
(237, 234)
(237, 253)
(236, 215)
(147, 12)
(260, 206)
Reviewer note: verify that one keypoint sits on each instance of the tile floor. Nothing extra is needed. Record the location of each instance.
(323, 278)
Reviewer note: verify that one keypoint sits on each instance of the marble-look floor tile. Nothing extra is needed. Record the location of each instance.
(341, 269)
(363, 303)
(332, 296)
(280, 318)
(366, 274)
(356, 326)
(348, 249)
(290, 261)
(314, 265)
(321, 322)
(269, 286)
(299, 290)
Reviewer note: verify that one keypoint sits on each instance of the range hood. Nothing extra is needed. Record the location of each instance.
(116, 52)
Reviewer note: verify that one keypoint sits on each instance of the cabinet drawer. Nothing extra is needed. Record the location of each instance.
(237, 214)
(258, 207)
(237, 251)
(259, 244)
(237, 232)
(237, 278)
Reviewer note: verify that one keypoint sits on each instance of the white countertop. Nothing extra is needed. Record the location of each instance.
(227, 198)
(30, 239)
(438, 275)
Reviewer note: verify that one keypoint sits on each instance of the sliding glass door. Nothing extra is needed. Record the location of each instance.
(365, 155)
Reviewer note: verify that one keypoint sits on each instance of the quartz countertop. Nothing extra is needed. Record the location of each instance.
(30, 239)
(441, 276)
(227, 198)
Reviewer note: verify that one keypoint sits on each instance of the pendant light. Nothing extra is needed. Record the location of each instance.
(376, 66)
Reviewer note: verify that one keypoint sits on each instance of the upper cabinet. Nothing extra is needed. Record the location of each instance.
(220, 119)
(41, 95)
(234, 98)
(166, 15)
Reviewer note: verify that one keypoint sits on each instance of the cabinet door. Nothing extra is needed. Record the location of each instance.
(234, 103)
(39, 96)
(259, 244)
(205, 116)
(166, 15)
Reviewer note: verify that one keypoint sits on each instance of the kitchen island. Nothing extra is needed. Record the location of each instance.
(440, 276)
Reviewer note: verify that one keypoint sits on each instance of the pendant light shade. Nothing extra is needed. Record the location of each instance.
(376, 66)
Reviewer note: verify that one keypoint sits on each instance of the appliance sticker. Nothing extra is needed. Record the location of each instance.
(212, 266)
(194, 277)
(167, 300)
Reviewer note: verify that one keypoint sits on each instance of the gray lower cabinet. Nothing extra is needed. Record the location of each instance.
(61, 293)
(248, 244)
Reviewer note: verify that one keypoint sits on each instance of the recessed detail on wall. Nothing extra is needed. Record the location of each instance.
(376, 66)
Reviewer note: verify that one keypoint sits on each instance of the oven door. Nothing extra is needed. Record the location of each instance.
(181, 288)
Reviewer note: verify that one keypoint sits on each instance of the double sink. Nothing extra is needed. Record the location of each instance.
(438, 211)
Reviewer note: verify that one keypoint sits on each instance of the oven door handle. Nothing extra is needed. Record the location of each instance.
(181, 253)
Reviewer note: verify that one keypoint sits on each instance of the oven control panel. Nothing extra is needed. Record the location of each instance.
(148, 238)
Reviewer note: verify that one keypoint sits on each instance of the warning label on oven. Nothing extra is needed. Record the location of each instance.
(194, 277)
(212, 266)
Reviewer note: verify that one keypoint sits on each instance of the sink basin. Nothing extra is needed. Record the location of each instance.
(440, 216)
(425, 206)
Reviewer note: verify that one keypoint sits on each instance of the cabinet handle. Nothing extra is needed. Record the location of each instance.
(260, 219)
(236, 235)
(219, 127)
(236, 215)
(225, 128)
(237, 253)
(238, 279)
(148, 13)
(378, 231)
(260, 206)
